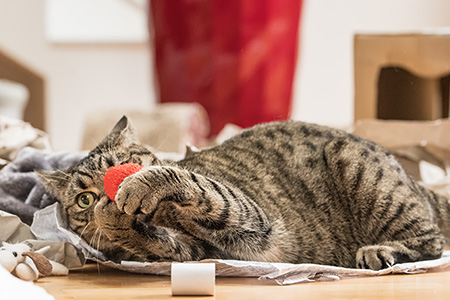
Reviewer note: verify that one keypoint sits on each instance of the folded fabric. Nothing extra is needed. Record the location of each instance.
(16, 135)
(21, 192)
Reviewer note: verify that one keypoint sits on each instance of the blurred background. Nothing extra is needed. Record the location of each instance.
(84, 61)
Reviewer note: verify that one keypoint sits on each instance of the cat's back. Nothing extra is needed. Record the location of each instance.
(272, 150)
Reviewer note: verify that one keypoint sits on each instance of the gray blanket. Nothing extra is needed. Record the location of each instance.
(21, 192)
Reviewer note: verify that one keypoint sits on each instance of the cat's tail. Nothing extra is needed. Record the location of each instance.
(440, 205)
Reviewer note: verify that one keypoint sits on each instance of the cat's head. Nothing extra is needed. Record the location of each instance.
(80, 187)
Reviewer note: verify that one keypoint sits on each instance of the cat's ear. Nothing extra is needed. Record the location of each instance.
(122, 135)
(125, 129)
(55, 182)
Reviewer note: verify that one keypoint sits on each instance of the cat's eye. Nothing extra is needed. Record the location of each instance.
(86, 199)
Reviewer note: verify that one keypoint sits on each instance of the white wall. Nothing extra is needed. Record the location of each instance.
(84, 77)
(323, 90)
(79, 77)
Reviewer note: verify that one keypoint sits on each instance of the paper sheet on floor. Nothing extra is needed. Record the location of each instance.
(50, 225)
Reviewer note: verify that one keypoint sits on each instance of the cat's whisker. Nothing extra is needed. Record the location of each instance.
(92, 241)
(84, 229)
(95, 142)
(60, 175)
(81, 236)
(98, 247)
(159, 146)
(98, 239)
(87, 242)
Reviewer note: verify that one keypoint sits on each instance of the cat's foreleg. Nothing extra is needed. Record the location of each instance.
(209, 210)
(145, 241)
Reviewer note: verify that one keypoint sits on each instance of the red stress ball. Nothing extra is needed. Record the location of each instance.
(115, 175)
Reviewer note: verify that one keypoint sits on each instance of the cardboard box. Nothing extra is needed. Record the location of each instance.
(420, 146)
(401, 76)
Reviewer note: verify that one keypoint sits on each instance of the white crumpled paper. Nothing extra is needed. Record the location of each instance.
(13, 230)
(435, 178)
(16, 135)
(49, 224)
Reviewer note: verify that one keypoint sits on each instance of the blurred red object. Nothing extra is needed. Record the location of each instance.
(237, 58)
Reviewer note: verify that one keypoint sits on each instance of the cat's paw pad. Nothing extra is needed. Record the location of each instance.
(375, 257)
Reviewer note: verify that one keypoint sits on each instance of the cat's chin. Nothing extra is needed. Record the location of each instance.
(117, 254)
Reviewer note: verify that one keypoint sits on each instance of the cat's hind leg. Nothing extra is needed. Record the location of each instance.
(387, 254)
(390, 216)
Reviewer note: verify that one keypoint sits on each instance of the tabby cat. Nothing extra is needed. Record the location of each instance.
(278, 192)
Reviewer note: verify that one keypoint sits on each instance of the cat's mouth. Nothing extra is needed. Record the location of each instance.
(108, 216)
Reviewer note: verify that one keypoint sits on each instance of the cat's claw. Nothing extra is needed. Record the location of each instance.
(375, 257)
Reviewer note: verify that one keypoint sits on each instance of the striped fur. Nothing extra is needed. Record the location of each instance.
(285, 192)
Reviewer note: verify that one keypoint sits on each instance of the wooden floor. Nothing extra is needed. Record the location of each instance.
(98, 282)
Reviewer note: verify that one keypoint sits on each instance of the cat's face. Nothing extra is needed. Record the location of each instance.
(80, 188)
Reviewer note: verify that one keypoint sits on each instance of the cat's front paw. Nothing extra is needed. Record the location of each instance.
(138, 193)
(375, 257)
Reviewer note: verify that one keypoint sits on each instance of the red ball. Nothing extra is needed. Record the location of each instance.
(115, 175)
